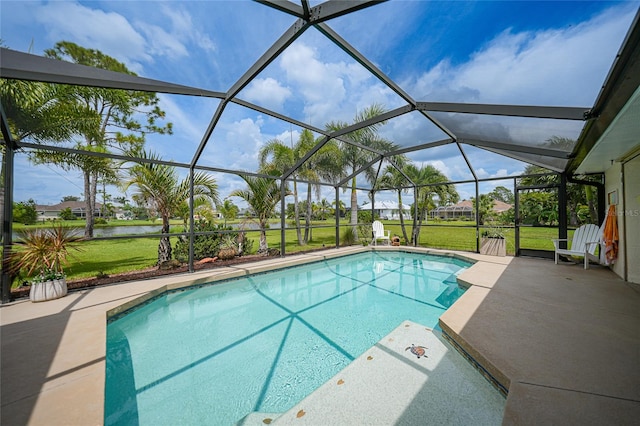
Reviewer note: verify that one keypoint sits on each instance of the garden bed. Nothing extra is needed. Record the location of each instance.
(153, 272)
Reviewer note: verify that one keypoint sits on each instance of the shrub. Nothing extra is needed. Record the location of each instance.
(67, 214)
(364, 216)
(209, 245)
(348, 236)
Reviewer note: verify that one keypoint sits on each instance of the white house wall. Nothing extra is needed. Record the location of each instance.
(631, 217)
(613, 184)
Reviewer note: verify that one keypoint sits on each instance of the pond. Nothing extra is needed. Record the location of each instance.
(110, 231)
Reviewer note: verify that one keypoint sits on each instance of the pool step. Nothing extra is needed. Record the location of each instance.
(411, 376)
(257, 418)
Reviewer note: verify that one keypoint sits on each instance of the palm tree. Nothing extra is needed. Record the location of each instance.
(320, 166)
(282, 158)
(445, 193)
(158, 185)
(354, 157)
(276, 158)
(228, 210)
(340, 206)
(262, 195)
(392, 178)
(324, 206)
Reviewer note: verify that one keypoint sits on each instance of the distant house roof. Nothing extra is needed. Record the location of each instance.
(73, 205)
(467, 206)
(383, 205)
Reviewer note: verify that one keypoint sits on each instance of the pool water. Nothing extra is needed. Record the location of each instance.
(213, 354)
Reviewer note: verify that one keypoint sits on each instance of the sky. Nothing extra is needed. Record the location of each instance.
(499, 52)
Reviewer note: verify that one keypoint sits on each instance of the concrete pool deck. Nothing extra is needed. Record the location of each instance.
(564, 341)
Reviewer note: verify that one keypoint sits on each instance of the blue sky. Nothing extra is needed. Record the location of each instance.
(534, 53)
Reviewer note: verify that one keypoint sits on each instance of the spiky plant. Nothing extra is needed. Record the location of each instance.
(44, 252)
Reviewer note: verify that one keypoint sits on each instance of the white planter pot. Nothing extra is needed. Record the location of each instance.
(48, 290)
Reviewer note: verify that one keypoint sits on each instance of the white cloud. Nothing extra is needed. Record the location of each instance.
(267, 92)
(440, 165)
(242, 140)
(547, 67)
(109, 32)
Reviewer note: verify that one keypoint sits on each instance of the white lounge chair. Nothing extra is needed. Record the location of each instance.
(584, 243)
(379, 233)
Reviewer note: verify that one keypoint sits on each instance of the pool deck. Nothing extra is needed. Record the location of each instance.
(565, 342)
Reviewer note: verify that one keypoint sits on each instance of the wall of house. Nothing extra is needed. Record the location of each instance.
(623, 179)
(614, 185)
(631, 217)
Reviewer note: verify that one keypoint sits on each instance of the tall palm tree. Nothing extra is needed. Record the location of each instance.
(158, 185)
(321, 166)
(276, 158)
(425, 201)
(392, 178)
(353, 157)
(262, 195)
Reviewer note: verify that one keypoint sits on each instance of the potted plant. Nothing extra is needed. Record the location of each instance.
(227, 248)
(493, 241)
(41, 255)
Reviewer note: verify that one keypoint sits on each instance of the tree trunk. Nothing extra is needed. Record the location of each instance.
(88, 206)
(307, 219)
(296, 211)
(417, 223)
(164, 248)
(404, 230)
(264, 247)
(354, 208)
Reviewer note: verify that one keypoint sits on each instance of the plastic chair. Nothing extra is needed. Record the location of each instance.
(380, 234)
(584, 243)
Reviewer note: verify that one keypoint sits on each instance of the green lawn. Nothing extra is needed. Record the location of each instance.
(123, 255)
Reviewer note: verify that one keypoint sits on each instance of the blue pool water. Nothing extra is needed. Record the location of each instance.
(213, 354)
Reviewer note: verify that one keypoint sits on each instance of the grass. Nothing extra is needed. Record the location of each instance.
(125, 255)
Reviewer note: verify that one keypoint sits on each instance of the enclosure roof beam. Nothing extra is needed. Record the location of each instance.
(464, 155)
(208, 132)
(297, 123)
(285, 6)
(546, 152)
(420, 147)
(285, 40)
(554, 112)
(25, 66)
(522, 158)
(439, 125)
(335, 8)
(357, 126)
(360, 170)
(109, 155)
(373, 120)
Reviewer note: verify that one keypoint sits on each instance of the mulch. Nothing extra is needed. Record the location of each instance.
(153, 272)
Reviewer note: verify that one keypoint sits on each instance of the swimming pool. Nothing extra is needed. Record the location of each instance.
(213, 354)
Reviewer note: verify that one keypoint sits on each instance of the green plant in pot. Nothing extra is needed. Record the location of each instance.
(41, 254)
(227, 248)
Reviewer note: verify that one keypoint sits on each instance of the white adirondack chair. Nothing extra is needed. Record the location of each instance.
(584, 243)
(379, 233)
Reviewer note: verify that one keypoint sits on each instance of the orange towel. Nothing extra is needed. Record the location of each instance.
(610, 236)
